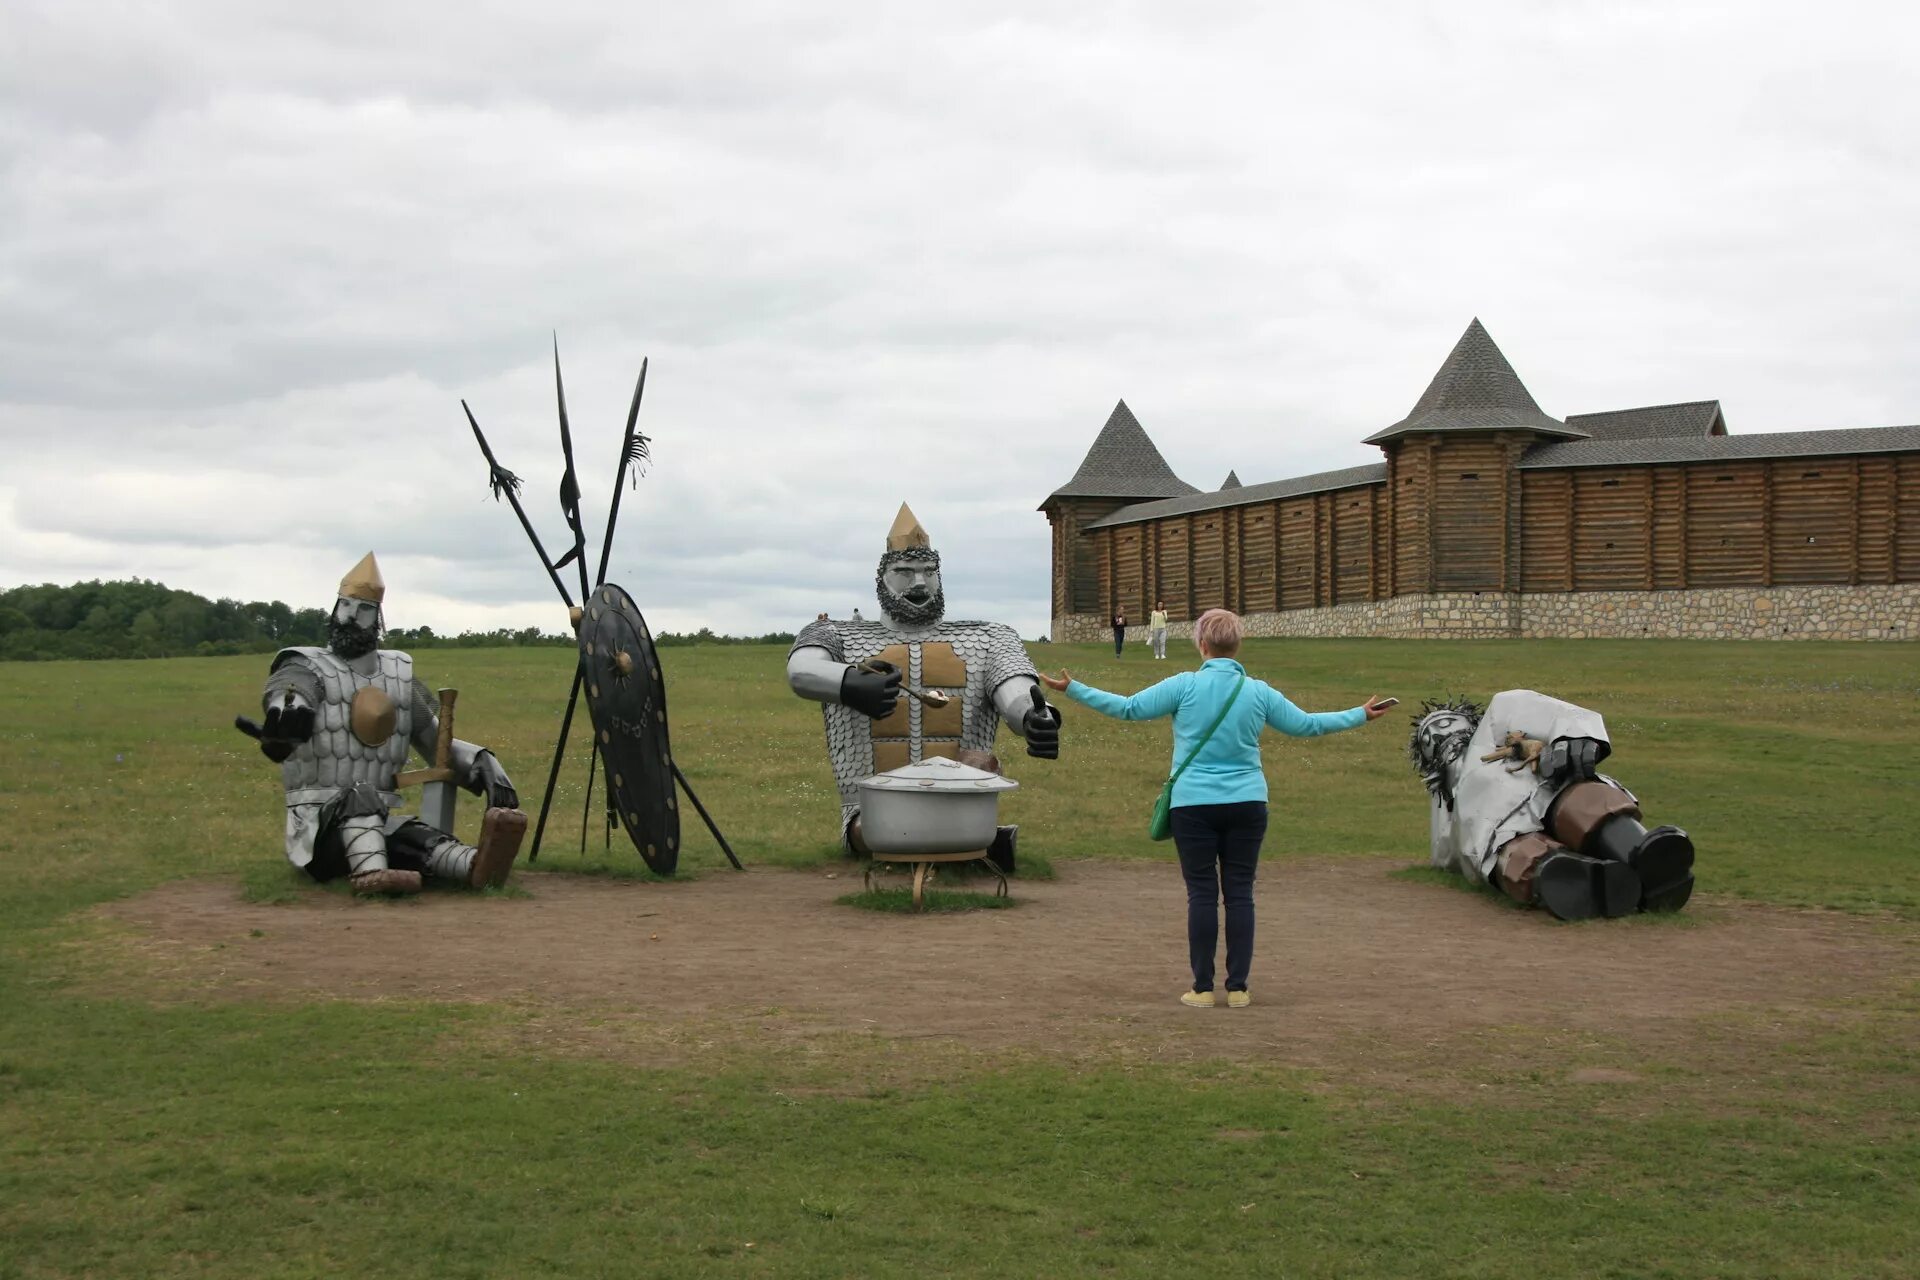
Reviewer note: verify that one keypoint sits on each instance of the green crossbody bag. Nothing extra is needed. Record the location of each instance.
(1161, 825)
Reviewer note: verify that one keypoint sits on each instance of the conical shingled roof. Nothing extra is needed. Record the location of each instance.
(1232, 481)
(1476, 390)
(1123, 464)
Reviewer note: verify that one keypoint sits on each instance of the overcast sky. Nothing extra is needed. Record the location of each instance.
(253, 255)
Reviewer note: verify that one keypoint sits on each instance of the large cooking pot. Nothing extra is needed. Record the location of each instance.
(935, 806)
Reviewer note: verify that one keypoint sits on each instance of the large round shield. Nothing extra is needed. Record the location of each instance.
(627, 698)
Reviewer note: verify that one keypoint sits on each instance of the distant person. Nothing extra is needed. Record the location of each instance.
(856, 614)
(1119, 630)
(1219, 803)
(1157, 628)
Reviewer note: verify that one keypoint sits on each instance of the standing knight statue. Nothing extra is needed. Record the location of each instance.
(338, 722)
(856, 668)
(1517, 802)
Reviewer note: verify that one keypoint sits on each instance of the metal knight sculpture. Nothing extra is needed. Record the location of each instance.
(1517, 802)
(339, 721)
(964, 679)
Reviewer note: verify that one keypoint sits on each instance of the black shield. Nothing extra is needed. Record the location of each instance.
(627, 698)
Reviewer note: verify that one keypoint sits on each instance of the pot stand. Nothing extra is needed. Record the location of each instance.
(923, 864)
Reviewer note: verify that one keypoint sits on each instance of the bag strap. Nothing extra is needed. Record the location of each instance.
(1235, 697)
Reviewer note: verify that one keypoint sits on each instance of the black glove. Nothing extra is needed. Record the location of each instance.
(1570, 760)
(490, 780)
(871, 693)
(1041, 727)
(289, 723)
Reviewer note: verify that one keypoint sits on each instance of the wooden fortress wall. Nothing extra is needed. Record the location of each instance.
(1457, 515)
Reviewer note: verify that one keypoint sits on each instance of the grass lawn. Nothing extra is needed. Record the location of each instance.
(194, 1136)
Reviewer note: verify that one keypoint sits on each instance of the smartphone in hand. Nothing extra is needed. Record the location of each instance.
(1386, 703)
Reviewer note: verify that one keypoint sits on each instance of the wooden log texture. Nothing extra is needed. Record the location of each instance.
(1352, 548)
(1129, 577)
(1411, 475)
(1906, 540)
(1611, 540)
(1469, 518)
(1209, 562)
(1726, 515)
(1811, 525)
(1546, 551)
(1173, 568)
(1257, 561)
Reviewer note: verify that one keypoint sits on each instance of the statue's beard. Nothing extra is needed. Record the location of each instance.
(350, 639)
(910, 614)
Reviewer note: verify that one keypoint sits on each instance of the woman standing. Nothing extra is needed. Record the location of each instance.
(1219, 812)
(1119, 629)
(1157, 628)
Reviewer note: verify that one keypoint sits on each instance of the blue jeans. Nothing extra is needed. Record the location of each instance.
(1219, 847)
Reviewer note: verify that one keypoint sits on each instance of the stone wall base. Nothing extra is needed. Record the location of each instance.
(1880, 611)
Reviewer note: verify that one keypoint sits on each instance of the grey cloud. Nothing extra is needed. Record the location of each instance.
(880, 254)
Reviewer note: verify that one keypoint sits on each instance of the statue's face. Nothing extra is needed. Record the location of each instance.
(1440, 738)
(909, 587)
(354, 627)
(915, 581)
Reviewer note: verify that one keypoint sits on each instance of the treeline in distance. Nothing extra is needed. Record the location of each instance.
(141, 619)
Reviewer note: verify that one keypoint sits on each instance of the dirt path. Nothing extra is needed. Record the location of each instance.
(1350, 961)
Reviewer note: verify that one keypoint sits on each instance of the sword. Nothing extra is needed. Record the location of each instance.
(438, 791)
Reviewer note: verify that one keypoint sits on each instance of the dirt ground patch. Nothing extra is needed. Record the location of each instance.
(1350, 962)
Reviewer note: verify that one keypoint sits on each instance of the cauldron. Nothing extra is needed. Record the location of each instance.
(935, 806)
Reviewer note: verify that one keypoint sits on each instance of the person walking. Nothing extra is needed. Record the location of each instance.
(1119, 630)
(1157, 628)
(1219, 810)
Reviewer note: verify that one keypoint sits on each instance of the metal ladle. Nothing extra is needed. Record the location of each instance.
(926, 697)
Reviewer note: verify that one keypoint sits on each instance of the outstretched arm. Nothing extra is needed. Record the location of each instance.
(1295, 723)
(1151, 703)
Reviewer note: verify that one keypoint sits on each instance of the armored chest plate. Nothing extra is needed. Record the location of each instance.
(627, 699)
(374, 716)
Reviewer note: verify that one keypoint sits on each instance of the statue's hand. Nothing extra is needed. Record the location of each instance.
(1041, 728)
(1570, 760)
(490, 780)
(289, 722)
(871, 691)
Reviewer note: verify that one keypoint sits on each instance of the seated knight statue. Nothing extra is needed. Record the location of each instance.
(977, 673)
(339, 721)
(1517, 802)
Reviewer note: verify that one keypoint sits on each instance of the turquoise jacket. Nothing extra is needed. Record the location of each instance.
(1228, 768)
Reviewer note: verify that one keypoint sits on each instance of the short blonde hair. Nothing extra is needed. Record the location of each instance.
(1218, 631)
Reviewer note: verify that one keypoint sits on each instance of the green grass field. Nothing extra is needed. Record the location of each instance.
(203, 1137)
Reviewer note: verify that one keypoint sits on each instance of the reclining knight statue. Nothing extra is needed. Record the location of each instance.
(1517, 802)
(965, 678)
(338, 722)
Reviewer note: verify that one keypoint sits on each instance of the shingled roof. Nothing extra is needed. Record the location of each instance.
(1247, 495)
(1778, 444)
(1123, 464)
(1694, 418)
(1476, 390)
(1232, 481)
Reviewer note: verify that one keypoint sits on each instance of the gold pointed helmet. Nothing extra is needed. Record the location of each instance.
(907, 532)
(363, 581)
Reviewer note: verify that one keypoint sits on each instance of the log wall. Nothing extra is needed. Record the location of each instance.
(1454, 515)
